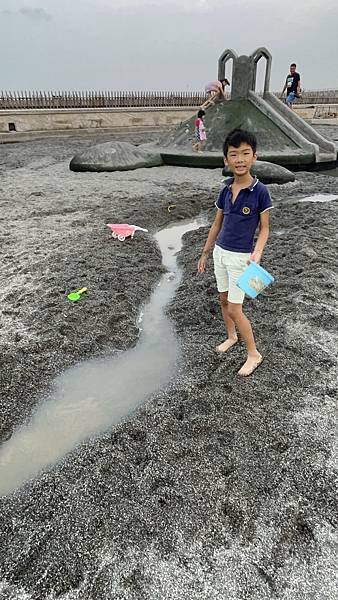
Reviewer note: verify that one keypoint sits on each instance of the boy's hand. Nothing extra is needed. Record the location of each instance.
(256, 256)
(202, 263)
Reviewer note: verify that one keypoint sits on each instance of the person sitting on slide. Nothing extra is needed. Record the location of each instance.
(215, 89)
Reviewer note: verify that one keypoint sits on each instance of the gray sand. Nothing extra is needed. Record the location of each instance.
(216, 488)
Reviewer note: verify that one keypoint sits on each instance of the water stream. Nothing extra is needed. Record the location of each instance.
(94, 395)
(320, 198)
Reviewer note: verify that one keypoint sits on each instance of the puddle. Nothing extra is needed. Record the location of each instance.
(319, 198)
(91, 397)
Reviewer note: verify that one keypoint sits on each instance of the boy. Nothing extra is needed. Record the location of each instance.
(292, 86)
(242, 204)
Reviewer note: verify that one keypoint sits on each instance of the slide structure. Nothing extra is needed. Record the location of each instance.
(283, 137)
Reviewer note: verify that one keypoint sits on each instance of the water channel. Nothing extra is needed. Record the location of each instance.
(89, 398)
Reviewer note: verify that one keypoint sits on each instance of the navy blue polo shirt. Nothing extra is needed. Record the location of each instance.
(241, 217)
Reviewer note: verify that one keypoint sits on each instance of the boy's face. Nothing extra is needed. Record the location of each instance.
(292, 70)
(240, 160)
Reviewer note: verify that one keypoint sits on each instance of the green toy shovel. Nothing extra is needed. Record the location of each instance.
(74, 296)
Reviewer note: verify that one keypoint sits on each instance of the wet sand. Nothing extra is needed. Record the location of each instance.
(216, 487)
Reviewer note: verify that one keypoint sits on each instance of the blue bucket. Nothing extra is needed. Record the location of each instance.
(254, 280)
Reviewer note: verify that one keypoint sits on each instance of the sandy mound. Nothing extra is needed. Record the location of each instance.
(115, 156)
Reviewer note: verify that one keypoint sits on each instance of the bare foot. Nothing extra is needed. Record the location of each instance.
(224, 347)
(251, 363)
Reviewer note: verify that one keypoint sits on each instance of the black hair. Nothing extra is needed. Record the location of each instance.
(201, 113)
(226, 81)
(236, 137)
(293, 65)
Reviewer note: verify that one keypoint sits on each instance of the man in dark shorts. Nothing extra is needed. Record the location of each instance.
(292, 86)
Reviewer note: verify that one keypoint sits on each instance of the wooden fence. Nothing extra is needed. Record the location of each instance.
(111, 99)
(93, 99)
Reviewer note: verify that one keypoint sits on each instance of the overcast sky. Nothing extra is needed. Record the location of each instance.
(161, 44)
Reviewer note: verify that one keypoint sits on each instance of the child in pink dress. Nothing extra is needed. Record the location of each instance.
(200, 132)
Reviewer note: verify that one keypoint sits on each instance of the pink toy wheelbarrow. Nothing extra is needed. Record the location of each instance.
(121, 231)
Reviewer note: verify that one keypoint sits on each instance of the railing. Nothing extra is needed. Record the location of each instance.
(111, 99)
(316, 97)
(48, 100)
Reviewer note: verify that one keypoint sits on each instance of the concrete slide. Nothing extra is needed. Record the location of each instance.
(295, 127)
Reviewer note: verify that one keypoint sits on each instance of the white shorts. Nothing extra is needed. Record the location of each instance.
(228, 267)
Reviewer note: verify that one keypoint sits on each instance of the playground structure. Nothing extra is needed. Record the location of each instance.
(283, 137)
